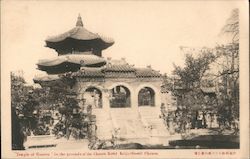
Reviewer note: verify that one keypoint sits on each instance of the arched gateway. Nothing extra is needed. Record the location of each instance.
(93, 97)
(146, 97)
(120, 97)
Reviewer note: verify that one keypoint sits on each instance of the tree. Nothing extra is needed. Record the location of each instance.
(187, 81)
(18, 93)
(186, 86)
(190, 78)
(229, 72)
(22, 106)
(231, 27)
(52, 93)
(21, 96)
(194, 69)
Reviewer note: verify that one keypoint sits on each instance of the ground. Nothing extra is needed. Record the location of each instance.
(192, 139)
(51, 143)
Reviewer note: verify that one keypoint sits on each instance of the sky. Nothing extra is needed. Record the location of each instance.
(145, 33)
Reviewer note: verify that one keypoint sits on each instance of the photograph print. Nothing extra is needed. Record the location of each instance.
(123, 75)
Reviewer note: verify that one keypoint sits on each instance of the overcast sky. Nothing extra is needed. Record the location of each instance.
(145, 33)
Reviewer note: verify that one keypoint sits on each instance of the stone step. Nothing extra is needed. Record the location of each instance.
(152, 114)
(124, 116)
(132, 124)
(132, 128)
(104, 124)
(104, 131)
(124, 113)
(104, 128)
(154, 111)
(156, 120)
(101, 115)
(157, 123)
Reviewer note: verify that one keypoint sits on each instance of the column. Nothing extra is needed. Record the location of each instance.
(134, 100)
(105, 100)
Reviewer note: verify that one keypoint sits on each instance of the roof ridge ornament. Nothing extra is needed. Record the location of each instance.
(79, 22)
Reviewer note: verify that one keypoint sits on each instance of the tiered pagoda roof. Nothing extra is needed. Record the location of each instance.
(79, 53)
(78, 39)
(48, 78)
(110, 70)
(67, 63)
(76, 48)
(90, 72)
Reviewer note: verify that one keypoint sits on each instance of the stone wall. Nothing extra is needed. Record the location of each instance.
(134, 85)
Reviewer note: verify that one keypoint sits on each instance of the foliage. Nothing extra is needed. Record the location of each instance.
(21, 96)
(68, 105)
(54, 93)
(194, 69)
(186, 84)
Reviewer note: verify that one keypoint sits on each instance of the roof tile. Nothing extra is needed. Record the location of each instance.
(147, 72)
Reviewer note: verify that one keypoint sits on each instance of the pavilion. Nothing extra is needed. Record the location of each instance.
(125, 99)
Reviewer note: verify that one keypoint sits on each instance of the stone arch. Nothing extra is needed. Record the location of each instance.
(93, 96)
(120, 96)
(83, 89)
(157, 96)
(120, 83)
(146, 97)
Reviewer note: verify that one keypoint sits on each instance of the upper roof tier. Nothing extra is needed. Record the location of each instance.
(78, 39)
(67, 63)
(113, 69)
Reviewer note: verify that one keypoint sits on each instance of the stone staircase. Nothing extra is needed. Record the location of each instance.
(128, 123)
(104, 124)
(151, 118)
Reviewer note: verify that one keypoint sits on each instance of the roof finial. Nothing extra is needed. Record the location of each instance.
(79, 21)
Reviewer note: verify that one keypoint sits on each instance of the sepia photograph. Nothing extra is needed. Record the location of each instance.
(91, 79)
